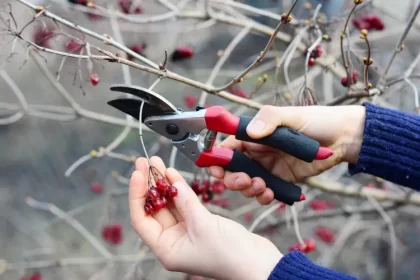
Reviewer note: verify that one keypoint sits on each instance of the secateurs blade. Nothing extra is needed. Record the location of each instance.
(183, 129)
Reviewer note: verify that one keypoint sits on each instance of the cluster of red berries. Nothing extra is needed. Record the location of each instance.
(137, 48)
(321, 205)
(157, 197)
(309, 246)
(238, 92)
(325, 234)
(42, 36)
(220, 201)
(33, 276)
(112, 233)
(207, 189)
(182, 53)
(369, 22)
(126, 7)
(345, 81)
(317, 52)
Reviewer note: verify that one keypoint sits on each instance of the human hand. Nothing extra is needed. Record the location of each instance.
(186, 237)
(339, 128)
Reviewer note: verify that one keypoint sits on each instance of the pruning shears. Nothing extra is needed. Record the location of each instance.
(183, 129)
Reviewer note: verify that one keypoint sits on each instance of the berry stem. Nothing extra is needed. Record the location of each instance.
(366, 66)
(296, 226)
(343, 55)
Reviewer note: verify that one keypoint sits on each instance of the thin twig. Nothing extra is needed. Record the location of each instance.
(263, 53)
(382, 78)
(392, 234)
(226, 53)
(72, 222)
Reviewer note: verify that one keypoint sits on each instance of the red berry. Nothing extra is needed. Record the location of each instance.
(365, 25)
(153, 193)
(148, 208)
(115, 233)
(206, 197)
(318, 205)
(42, 37)
(94, 79)
(311, 62)
(222, 202)
(310, 245)
(126, 7)
(35, 276)
(137, 48)
(158, 204)
(302, 197)
(356, 23)
(248, 216)
(195, 185)
(354, 76)
(94, 16)
(238, 92)
(325, 234)
(344, 82)
(161, 186)
(106, 233)
(190, 101)
(97, 188)
(217, 187)
(164, 201)
(172, 191)
(182, 53)
(73, 46)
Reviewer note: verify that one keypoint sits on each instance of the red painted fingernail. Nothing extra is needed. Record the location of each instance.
(324, 153)
(302, 197)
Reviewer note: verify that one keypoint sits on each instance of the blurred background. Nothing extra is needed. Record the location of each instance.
(39, 146)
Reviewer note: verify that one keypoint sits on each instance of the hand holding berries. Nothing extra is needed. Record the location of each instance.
(186, 237)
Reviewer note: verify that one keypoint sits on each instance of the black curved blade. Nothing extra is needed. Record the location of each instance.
(149, 97)
(132, 107)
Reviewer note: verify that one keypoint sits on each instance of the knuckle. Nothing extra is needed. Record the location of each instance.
(268, 110)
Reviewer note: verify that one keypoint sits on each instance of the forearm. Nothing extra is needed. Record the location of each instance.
(390, 148)
(296, 266)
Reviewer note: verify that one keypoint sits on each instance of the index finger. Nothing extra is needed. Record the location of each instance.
(145, 225)
(230, 143)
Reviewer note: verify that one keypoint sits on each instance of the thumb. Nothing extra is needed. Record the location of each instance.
(186, 202)
(269, 118)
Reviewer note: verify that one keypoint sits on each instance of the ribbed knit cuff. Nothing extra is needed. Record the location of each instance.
(296, 266)
(391, 146)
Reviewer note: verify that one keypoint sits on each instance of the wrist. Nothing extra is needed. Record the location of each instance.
(259, 264)
(354, 127)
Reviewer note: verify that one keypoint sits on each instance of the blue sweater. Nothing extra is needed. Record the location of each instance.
(390, 150)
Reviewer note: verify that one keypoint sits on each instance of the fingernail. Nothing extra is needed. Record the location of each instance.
(256, 126)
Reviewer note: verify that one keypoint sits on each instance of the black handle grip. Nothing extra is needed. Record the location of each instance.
(285, 139)
(283, 191)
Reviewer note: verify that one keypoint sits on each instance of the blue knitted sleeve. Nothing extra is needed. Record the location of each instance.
(296, 266)
(391, 146)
